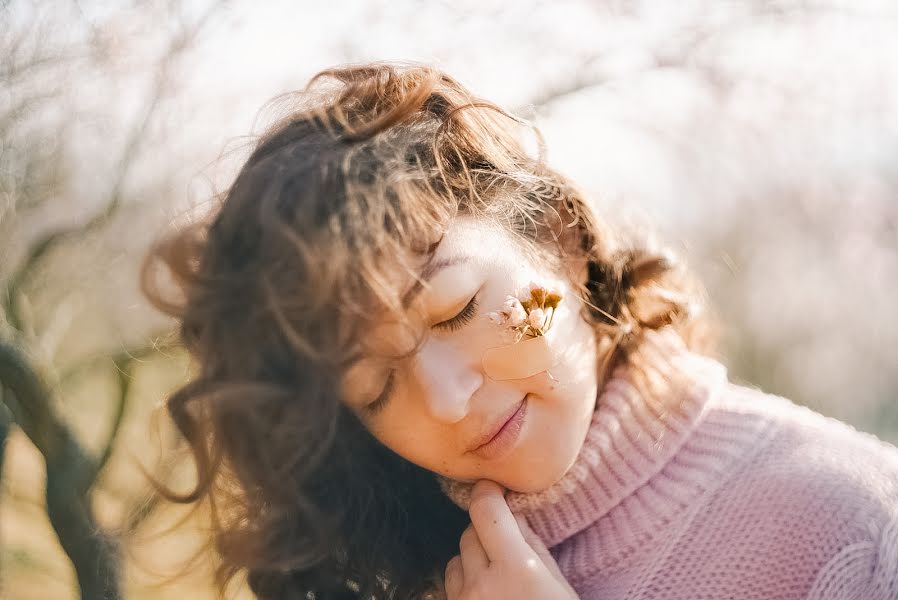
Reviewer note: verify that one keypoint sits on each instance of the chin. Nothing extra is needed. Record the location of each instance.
(543, 474)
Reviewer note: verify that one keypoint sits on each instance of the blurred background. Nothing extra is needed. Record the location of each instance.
(758, 138)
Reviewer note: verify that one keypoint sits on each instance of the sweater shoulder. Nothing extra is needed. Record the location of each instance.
(800, 431)
(812, 462)
(810, 504)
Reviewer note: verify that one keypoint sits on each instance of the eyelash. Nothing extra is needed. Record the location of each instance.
(453, 324)
(381, 401)
(459, 320)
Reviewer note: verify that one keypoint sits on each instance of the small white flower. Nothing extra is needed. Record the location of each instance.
(534, 286)
(497, 317)
(510, 303)
(517, 315)
(537, 318)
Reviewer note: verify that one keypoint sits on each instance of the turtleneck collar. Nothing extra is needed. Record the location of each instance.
(644, 414)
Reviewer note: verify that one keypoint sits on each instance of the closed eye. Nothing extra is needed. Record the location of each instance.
(382, 399)
(453, 324)
(461, 319)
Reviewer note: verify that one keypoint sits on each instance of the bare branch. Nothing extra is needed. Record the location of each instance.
(12, 72)
(124, 375)
(157, 343)
(5, 427)
(130, 152)
(586, 78)
(13, 114)
(6, 424)
(69, 471)
(125, 362)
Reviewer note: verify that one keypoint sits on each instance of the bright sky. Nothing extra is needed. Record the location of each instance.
(772, 136)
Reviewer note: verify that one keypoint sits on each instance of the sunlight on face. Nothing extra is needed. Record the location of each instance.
(439, 405)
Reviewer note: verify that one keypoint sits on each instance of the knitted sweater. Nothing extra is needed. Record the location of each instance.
(690, 487)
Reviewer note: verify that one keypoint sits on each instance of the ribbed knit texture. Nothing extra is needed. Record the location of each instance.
(690, 487)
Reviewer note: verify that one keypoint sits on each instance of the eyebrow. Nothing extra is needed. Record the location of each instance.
(431, 269)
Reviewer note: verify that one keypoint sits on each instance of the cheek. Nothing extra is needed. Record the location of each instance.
(568, 347)
(406, 428)
(412, 440)
(570, 386)
(581, 360)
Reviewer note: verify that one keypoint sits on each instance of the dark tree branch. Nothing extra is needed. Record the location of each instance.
(69, 474)
(70, 470)
(125, 362)
(5, 429)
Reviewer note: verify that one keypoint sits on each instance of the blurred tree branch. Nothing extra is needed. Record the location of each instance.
(5, 427)
(69, 475)
(125, 363)
(136, 138)
(71, 470)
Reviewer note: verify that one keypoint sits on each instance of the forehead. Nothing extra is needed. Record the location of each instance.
(470, 236)
(466, 239)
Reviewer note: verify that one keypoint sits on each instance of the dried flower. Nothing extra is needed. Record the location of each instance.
(517, 316)
(531, 316)
(536, 318)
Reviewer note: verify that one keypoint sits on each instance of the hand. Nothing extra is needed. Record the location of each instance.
(500, 556)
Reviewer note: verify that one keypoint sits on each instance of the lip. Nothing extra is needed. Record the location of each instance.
(501, 436)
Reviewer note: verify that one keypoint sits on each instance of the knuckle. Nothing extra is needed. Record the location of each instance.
(530, 569)
(531, 564)
(468, 536)
(453, 566)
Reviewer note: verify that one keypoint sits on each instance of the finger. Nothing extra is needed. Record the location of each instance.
(473, 556)
(454, 578)
(536, 543)
(496, 527)
(530, 536)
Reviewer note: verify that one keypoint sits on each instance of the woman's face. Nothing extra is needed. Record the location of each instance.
(437, 408)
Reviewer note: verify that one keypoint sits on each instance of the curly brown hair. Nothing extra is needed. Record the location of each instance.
(275, 293)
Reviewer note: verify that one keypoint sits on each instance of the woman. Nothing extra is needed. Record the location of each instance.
(425, 366)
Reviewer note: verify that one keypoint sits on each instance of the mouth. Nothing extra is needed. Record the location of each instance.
(500, 437)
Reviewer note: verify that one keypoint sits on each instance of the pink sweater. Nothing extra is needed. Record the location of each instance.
(690, 487)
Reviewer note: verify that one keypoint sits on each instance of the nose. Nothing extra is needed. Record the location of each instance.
(448, 378)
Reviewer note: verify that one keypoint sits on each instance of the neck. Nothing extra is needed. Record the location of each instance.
(644, 414)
